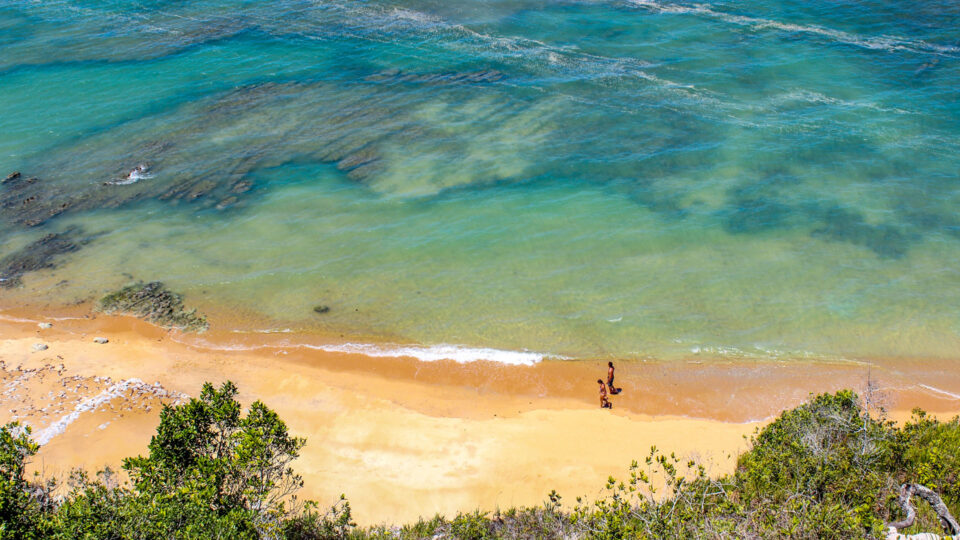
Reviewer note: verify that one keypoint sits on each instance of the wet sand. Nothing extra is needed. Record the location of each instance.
(402, 438)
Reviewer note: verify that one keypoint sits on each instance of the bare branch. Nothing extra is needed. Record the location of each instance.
(950, 524)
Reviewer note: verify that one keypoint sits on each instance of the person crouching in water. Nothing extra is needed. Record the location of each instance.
(604, 402)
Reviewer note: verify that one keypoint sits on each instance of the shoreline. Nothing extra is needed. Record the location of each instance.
(700, 386)
(404, 439)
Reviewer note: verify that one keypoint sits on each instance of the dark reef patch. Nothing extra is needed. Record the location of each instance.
(463, 77)
(270, 124)
(38, 255)
(760, 206)
(154, 303)
(842, 225)
(756, 214)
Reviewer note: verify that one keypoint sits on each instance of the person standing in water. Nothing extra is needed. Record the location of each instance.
(604, 402)
(613, 389)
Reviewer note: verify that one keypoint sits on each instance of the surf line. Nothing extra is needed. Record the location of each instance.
(951, 395)
(888, 43)
(90, 404)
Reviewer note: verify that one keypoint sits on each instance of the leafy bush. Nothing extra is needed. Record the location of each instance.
(822, 469)
(931, 454)
(20, 509)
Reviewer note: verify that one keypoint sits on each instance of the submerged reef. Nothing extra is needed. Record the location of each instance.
(203, 151)
(397, 75)
(38, 255)
(153, 302)
(420, 134)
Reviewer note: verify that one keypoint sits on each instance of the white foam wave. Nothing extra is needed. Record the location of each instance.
(817, 97)
(951, 395)
(424, 353)
(434, 353)
(761, 352)
(10, 318)
(116, 390)
(564, 58)
(886, 43)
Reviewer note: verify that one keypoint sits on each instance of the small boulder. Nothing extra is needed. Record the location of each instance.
(11, 177)
(321, 309)
(37, 347)
(101, 340)
(44, 325)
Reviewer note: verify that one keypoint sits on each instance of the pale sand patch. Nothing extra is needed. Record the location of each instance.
(400, 438)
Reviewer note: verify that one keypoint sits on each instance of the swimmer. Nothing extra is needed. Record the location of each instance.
(136, 174)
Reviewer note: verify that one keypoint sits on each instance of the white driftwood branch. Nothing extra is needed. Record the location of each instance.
(892, 534)
(950, 524)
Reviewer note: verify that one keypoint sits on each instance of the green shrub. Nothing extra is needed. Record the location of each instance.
(822, 469)
(20, 511)
(473, 526)
(931, 454)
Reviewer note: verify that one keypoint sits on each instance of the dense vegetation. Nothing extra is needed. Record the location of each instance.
(827, 469)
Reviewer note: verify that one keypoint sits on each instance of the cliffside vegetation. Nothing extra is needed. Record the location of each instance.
(827, 469)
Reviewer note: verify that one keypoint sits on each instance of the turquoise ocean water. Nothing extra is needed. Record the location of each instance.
(627, 179)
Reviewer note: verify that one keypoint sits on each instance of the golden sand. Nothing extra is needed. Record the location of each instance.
(401, 438)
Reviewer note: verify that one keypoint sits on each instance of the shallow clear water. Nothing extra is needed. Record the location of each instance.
(624, 178)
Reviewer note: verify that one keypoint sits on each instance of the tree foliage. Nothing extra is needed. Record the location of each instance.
(211, 472)
(213, 469)
(20, 510)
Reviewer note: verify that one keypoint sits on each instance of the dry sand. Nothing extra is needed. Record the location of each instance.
(403, 439)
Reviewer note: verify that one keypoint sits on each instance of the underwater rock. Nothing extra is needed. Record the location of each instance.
(242, 186)
(321, 309)
(15, 175)
(927, 66)
(382, 75)
(361, 158)
(101, 340)
(29, 203)
(154, 303)
(476, 77)
(226, 203)
(37, 347)
(37, 256)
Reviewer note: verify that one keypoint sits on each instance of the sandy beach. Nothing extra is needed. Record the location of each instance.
(402, 438)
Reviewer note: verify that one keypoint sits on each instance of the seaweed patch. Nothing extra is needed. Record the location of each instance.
(155, 303)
